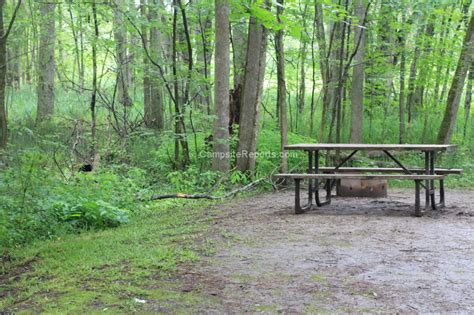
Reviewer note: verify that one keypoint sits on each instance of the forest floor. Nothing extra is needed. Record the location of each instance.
(356, 255)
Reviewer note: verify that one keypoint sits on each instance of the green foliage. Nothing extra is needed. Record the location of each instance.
(36, 202)
(192, 179)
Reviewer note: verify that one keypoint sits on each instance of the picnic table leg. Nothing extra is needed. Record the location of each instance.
(432, 182)
(417, 198)
(441, 193)
(320, 203)
(310, 171)
(298, 208)
(427, 182)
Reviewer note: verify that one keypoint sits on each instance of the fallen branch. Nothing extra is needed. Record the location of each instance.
(208, 196)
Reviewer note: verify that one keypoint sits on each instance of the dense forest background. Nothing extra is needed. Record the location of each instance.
(159, 96)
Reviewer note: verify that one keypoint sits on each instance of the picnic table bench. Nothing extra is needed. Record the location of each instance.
(424, 177)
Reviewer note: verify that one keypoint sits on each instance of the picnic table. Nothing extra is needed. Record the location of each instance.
(422, 176)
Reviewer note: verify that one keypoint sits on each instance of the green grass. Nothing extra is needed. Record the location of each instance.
(107, 270)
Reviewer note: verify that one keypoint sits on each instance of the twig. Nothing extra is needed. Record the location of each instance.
(207, 196)
(57, 164)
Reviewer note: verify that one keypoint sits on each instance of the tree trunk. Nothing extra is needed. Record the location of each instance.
(401, 100)
(179, 126)
(239, 46)
(204, 56)
(121, 56)
(323, 59)
(425, 71)
(153, 98)
(313, 75)
(302, 89)
(454, 95)
(3, 77)
(332, 75)
(468, 98)
(77, 50)
(94, 144)
(302, 86)
(411, 85)
(251, 95)
(46, 64)
(357, 88)
(281, 96)
(221, 157)
(340, 84)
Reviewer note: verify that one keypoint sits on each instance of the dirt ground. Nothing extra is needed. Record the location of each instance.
(355, 255)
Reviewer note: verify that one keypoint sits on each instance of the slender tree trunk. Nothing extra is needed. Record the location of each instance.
(46, 67)
(401, 100)
(3, 77)
(189, 56)
(121, 56)
(357, 88)
(340, 84)
(239, 46)
(82, 71)
(221, 158)
(77, 54)
(411, 85)
(425, 71)
(454, 95)
(302, 94)
(439, 67)
(251, 96)
(144, 12)
(153, 97)
(205, 56)
(323, 61)
(180, 128)
(313, 75)
(177, 97)
(94, 143)
(465, 5)
(302, 86)
(281, 96)
(332, 75)
(468, 98)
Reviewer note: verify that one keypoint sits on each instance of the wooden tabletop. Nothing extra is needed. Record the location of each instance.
(369, 147)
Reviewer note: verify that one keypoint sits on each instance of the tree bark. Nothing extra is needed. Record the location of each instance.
(454, 95)
(401, 100)
(153, 97)
(179, 126)
(281, 96)
(221, 157)
(3, 77)
(332, 75)
(357, 88)
(239, 46)
(204, 56)
(251, 96)
(313, 75)
(468, 98)
(46, 63)
(302, 86)
(411, 84)
(121, 55)
(94, 144)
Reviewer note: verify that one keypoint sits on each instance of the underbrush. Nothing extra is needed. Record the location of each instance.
(36, 202)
